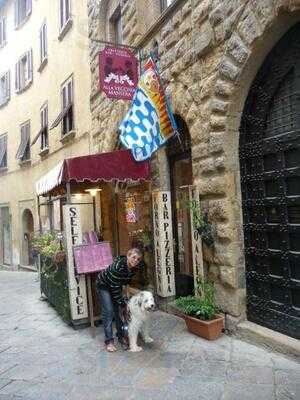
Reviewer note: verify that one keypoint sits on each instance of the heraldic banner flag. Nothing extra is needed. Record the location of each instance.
(149, 123)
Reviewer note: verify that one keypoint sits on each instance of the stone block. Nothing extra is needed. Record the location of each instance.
(264, 9)
(218, 210)
(205, 39)
(185, 28)
(218, 14)
(167, 29)
(186, 9)
(223, 88)
(200, 13)
(228, 69)
(237, 49)
(212, 186)
(217, 123)
(200, 150)
(218, 105)
(231, 301)
(228, 276)
(216, 142)
(249, 27)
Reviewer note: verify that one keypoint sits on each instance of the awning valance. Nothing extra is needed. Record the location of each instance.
(113, 166)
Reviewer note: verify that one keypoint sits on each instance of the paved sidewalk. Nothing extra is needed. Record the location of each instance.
(41, 358)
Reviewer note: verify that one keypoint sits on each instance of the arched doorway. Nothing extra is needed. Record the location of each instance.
(27, 234)
(181, 177)
(270, 183)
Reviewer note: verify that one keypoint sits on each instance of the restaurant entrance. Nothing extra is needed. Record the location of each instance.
(181, 177)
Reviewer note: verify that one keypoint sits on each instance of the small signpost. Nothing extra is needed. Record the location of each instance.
(90, 258)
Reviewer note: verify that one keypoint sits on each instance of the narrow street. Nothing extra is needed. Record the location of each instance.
(41, 358)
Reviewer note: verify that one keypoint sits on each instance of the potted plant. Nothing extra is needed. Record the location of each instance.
(49, 245)
(201, 223)
(201, 312)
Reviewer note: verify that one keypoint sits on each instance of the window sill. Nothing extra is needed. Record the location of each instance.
(65, 29)
(43, 64)
(27, 85)
(44, 152)
(67, 137)
(23, 22)
(25, 163)
(3, 169)
(4, 103)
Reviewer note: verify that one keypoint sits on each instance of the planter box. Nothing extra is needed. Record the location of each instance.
(209, 330)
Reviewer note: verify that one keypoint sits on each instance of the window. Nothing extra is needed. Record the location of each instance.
(43, 132)
(66, 115)
(64, 13)
(67, 104)
(23, 153)
(3, 151)
(116, 26)
(43, 43)
(2, 31)
(4, 88)
(24, 71)
(165, 4)
(22, 10)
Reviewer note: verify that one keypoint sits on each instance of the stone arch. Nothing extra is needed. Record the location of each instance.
(27, 234)
(255, 35)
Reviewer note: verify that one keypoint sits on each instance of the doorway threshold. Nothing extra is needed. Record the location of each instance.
(275, 341)
(30, 268)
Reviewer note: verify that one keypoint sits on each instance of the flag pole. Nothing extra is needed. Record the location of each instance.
(174, 125)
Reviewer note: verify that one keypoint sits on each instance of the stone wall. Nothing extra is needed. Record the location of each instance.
(210, 51)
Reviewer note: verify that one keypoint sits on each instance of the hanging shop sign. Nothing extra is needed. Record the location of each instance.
(163, 243)
(77, 283)
(118, 72)
(196, 240)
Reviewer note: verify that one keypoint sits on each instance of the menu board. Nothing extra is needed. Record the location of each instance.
(91, 258)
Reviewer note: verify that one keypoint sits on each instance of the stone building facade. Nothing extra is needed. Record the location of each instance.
(210, 55)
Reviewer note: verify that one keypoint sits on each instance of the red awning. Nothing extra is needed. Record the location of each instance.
(113, 166)
(116, 165)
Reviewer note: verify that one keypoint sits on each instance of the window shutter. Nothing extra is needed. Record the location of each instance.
(28, 7)
(16, 13)
(70, 94)
(61, 9)
(29, 61)
(3, 148)
(7, 79)
(17, 76)
(4, 30)
(45, 40)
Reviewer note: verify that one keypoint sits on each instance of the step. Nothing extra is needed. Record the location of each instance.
(265, 337)
(30, 268)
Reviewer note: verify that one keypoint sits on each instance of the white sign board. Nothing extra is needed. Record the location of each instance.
(163, 243)
(196, 240)
(77, 284)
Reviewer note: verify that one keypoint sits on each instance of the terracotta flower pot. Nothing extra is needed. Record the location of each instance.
(209, 330)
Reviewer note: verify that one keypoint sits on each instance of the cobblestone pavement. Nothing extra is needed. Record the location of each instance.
(41, 358)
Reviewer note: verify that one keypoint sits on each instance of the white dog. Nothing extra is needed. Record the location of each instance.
(139, 307)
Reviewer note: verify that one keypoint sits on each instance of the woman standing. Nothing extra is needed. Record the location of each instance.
(109, 287)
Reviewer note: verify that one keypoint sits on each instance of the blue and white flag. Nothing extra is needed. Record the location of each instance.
(149, 123)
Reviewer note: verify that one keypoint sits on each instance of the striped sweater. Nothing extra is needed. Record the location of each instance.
(114, 277)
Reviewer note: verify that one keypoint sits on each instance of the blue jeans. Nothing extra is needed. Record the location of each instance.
(109, 310)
